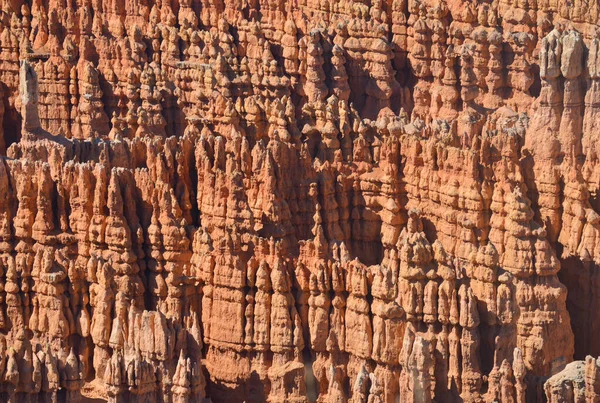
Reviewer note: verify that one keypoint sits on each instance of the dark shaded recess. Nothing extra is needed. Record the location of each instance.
(487, 347)
(195, 211)
(369, 252)
(582, 280)
(91, 400)
(256, 388)
(313, 140)
(429, 229)
(251, 391)
(144, 212)
(536, 87)
(11, 122)
(357, 85)
(368, 249)
(277, 51)
(149, 305)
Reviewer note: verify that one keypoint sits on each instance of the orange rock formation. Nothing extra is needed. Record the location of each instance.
(294, 201)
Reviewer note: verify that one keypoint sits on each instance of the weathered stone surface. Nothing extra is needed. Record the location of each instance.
(348, 201)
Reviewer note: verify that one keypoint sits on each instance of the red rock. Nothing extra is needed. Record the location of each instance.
(298, 201)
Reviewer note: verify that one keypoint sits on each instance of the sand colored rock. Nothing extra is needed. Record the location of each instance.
(350, 201)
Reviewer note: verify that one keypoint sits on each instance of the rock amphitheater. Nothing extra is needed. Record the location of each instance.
(300, 201)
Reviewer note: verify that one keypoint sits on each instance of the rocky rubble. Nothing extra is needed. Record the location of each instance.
(352, 201)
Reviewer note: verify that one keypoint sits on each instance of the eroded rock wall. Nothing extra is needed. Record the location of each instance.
(296, 201)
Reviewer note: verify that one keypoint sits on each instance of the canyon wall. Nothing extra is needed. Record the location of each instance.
(293, 201)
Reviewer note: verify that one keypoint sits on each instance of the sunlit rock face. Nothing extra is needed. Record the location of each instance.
(298, 201)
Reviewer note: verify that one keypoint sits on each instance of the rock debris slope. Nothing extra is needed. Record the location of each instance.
(290, 201)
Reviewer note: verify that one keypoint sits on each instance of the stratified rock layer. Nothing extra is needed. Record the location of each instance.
(354, 201)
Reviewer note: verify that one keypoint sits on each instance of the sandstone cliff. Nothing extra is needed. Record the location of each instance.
(293, 201)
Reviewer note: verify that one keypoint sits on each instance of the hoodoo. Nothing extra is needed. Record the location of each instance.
(299, 201)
